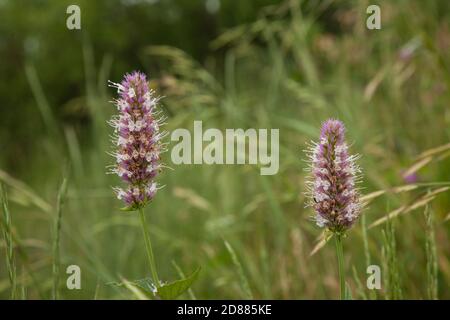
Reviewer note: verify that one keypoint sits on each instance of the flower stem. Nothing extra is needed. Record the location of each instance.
(148, 247)
(340, 258)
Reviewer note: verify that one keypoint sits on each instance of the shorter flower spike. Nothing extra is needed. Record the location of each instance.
(331, 186)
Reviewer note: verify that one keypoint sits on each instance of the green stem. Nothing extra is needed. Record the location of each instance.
(148, 247)
(340, 258)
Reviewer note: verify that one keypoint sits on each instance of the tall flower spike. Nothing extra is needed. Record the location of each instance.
(137, 140)
(334, 174)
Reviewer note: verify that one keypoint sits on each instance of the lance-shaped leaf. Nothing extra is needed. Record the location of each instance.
(166, 291)
(174, 289)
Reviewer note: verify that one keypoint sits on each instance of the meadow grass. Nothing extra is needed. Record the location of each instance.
(288, 71)
(9, 245)
(431, 254)
(56, 237)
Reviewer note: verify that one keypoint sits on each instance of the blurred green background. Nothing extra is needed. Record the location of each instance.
(233, 64)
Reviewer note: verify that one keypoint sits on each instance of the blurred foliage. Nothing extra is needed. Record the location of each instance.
(34, 32)
(261, 64)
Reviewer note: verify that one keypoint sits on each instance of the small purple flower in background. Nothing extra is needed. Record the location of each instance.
(138, 140)
(334, 175)
(410, 178)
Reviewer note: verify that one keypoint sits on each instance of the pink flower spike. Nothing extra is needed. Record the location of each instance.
(332, 184)
(137, 140)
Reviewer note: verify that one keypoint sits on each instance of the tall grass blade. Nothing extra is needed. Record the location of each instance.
(431, 254)
(367, 256)
(278, 216)
(56, 234)
(392, 279)
(242, 277)
(359, 284)
(41, 101)
(420, 201)
(24, 189)
(7, 233)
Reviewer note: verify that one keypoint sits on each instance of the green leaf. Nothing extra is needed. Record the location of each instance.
(348, 292)
(146, 284)
(135, 290)
(165, 291)
(174, 289)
